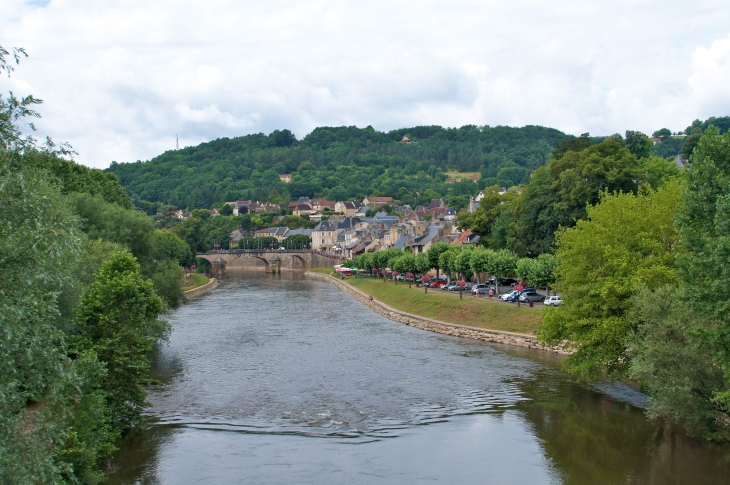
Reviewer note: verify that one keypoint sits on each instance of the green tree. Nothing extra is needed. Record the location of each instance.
(168, 246)
(192, 231)
(462, 262)
(638, 144)
(572, 144)
(663, 134)
(423, 264)
(434, 253)
(298, 241)
(677, 369)
(558, 195)
(689, 145)
(627, 241)
(702, 261)
(118, 320)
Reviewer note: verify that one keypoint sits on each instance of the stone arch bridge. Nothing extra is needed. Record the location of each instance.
(265, 260)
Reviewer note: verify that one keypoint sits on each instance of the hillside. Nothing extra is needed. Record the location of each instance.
(341, 163)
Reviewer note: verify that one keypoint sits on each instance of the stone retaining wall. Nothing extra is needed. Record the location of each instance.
(212, 283)
(424, 323)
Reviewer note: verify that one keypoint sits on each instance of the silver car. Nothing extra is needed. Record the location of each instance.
(553, 300)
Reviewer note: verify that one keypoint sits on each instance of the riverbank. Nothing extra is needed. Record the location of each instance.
(204, 286)
(392, 301)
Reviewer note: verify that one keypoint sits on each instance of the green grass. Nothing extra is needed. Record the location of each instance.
(440, 305)
(199, 279)
(322, 270)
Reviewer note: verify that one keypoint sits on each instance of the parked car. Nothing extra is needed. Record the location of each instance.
(510, 294)
(400, 277)
(436, 283)
(553, 300)
(483, 288)
(530, 296)
(515, 297)
(455, 287)
(450, 287)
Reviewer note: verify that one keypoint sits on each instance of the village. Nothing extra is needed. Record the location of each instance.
(346, 229)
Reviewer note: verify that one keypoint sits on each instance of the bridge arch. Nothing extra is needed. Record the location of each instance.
(297, 262)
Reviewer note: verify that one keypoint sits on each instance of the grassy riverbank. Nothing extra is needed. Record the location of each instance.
(193, 281)
(439, 305)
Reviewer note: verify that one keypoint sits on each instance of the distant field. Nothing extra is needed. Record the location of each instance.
(440, 305)
(461, 175)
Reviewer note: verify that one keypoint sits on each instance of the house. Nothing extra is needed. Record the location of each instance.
(280, 233)
(473, 204)
(236, 236)
(479, 196)
(474, 178)
(303, 210)
(377, 201)
(437, 204)
(681, 162)
(324, 235)
(322, 204)
(285, 177)
(450, 214)
(347, 208)
(422, 243)
(467, 237)
(214, 212)
(405, 139)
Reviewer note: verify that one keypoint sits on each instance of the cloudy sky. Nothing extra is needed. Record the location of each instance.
(121, 78)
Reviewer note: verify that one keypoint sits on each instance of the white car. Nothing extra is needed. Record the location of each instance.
(506, 296)
(553, 301)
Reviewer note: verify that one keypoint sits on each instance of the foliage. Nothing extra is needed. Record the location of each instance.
(676, 368)
(558, 194)
(626, 242)
(482, 220)
(572, 144)
(55, 421)
(297, 241)
(689, 145)
(539, 271)
(434, 254)
(118, 320)
(638, 144)
(265, 242)
(340, 163)
(168, 246)
(705, 245)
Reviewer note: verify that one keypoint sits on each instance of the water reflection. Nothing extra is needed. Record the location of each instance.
(281, 379)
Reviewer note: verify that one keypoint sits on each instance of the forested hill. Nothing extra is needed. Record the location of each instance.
(341, 163)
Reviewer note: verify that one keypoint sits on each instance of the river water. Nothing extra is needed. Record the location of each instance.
(279, 379)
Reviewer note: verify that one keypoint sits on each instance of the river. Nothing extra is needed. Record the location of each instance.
(279, 379)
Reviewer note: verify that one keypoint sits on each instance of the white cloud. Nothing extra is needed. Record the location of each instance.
(120, 79)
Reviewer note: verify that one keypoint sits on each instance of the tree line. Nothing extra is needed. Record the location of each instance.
(84, 278)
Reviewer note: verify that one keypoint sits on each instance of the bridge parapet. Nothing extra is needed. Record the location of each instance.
(266, 260)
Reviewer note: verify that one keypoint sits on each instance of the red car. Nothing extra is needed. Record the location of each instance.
(438, 284)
